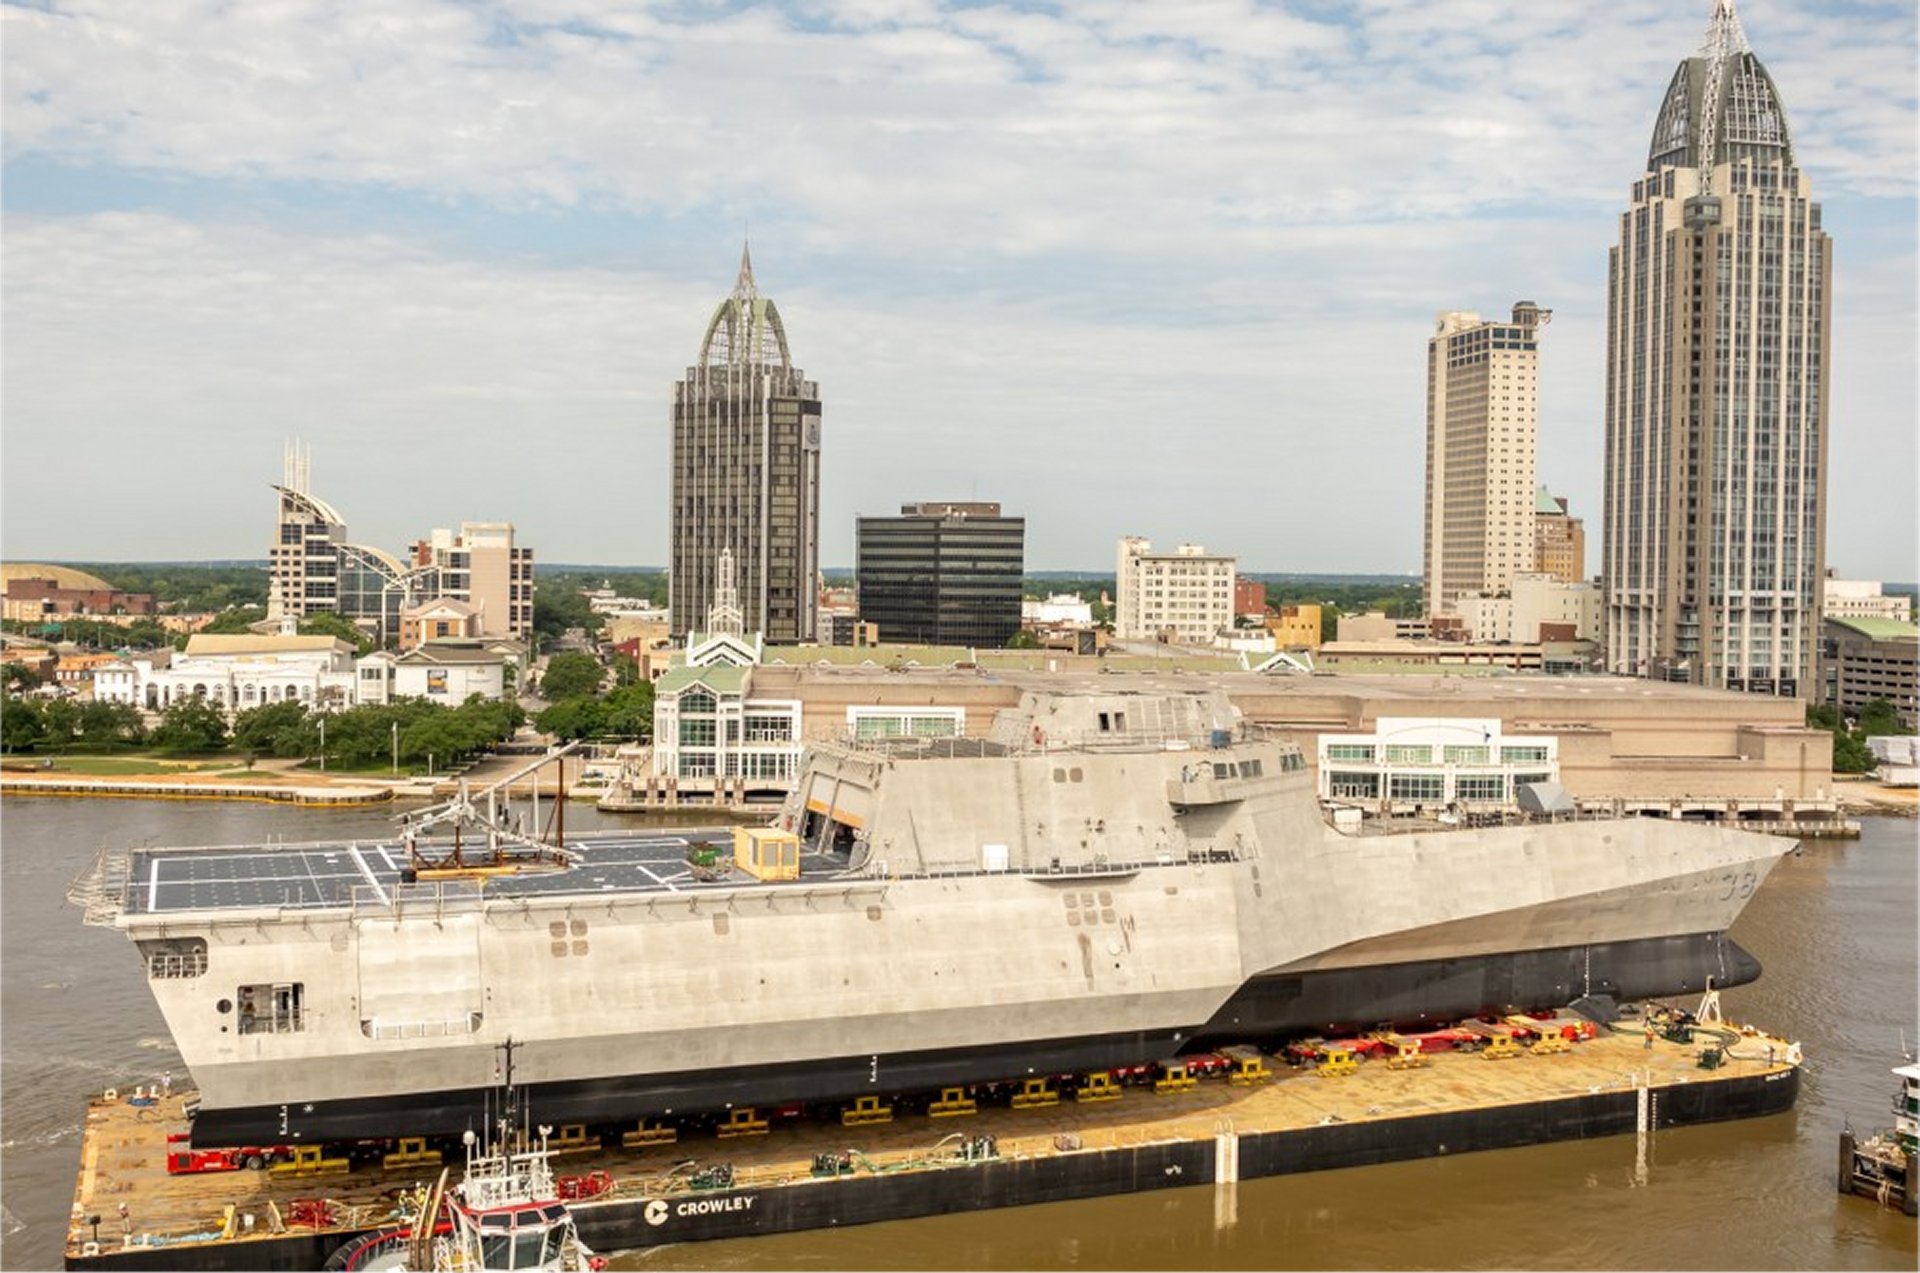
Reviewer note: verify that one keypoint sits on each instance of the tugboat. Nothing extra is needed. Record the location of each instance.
(1886, 1166)
(505, 1215)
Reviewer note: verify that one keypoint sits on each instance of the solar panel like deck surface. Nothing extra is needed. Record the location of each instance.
(313, 876)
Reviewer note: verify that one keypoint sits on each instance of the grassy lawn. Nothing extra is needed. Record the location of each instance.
(135, 763)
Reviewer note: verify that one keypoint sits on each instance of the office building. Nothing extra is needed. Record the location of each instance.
(1869, 658)
(482, 567)
(1559, 539)
(941, 574)
(314, 569)
(1483, 424)
(1183, 597)
(746, 472)
(1719, 326)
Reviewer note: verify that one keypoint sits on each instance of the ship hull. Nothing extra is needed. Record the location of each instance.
(1273, 1004)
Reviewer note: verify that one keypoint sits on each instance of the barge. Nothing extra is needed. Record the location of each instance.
(799, 1173)
(1886, 1165)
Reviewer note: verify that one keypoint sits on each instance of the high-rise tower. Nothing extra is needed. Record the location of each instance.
(1483, 429)
(746, 472)
(1719, 305)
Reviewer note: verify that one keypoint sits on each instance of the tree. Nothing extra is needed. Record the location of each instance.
(235, 622)
(327, 623)
(191, 724)
(579, 717)
(21, 726)
(1879, 718)
(558, 606)
(105, 724)
(275, 729)
(629, 711)
(570, 674)
(60, 719)
(1023, 640)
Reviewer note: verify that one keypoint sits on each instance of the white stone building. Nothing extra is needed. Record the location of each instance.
(1862, 599)
(236, 672)
(1183, 597)
(445, 672)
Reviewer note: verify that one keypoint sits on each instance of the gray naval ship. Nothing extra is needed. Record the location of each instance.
(1106, 879)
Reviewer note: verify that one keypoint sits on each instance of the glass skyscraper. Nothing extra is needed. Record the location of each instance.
(942, 574)
(1719, 301)
(746, 472)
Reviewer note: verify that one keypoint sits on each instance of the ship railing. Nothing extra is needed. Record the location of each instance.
(442, 897)
(100, 891)
(1041, 741)
(1403, 821)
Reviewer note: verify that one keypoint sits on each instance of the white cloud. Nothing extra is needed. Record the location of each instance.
(1113, 264)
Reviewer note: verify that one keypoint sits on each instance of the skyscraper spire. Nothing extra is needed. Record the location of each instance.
(1724, 42)
(1725, 36)
(743, 287)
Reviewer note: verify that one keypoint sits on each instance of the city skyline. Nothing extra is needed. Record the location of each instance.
(1140, 271)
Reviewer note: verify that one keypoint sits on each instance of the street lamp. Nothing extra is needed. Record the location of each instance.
(323, 744)
(396, 746)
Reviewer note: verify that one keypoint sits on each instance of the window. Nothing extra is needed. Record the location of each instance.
(1481, 787)
(1352, 786)
(271, 1008)
(1349, 751)
(1406, 754)
(1417, 787)
(698, 732)
(1466, 755)
(1523, 755)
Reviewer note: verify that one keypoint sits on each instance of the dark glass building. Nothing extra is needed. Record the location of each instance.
(942, 574)
(746, 473)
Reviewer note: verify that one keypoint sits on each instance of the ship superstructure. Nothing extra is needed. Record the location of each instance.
(1106, 879)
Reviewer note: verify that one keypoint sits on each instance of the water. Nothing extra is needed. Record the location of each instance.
(1835, 927)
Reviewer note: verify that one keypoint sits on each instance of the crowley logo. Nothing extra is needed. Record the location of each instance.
(659, 1210)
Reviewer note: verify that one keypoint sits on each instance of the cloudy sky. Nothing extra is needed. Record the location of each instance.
(1158, 268)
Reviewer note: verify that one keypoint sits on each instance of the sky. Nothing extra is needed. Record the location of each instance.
(1161, 269)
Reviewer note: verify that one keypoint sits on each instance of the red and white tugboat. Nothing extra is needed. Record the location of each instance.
(505, 1216)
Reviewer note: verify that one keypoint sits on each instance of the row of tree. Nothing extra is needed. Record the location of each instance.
(27, 724)
(411, 732)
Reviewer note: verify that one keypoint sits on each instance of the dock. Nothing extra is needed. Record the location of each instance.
(1214, 1133)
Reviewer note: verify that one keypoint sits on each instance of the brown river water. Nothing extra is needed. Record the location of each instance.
(1835, 927)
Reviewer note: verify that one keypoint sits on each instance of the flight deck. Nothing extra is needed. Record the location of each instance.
(330, 875)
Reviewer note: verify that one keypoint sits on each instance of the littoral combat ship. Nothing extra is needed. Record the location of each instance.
(1105, 879)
